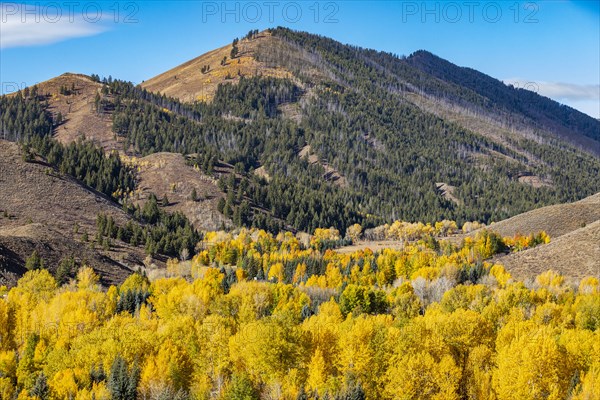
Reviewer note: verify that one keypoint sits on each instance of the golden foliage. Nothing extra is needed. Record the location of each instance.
(269, 317)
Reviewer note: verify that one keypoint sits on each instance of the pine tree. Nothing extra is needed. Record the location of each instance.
(40, 388)
(97, 374)
(194, 195)
(122, 382)
(221, 205)
(97, 103)
(354, 392)
(34, 261)
(241, 388)
(64, 270)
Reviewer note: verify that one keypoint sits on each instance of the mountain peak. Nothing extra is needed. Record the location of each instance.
(198, 79)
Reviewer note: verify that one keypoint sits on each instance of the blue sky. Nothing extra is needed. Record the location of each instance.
(552, 47)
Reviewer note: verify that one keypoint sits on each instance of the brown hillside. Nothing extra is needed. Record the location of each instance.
(556, 220)
(81, 119)
(188, 83)
(40, 209)
(168, 174)
(575, 254)
(78, 110)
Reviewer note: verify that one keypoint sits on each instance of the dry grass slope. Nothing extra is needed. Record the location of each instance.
(575, 255)
(168, 174)
(556, 220)
(188, 83)
(40, 208)
(78, 111)
(574, 249)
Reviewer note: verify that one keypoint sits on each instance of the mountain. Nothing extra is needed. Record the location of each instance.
(188, 82)
(538, 111)
(398, 130)
(85, 109)
(286, 130)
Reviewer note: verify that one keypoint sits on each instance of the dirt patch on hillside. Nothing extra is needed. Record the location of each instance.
(262, 172)
(168, 174)
(331, 174)
(447, 191)
(535, 181)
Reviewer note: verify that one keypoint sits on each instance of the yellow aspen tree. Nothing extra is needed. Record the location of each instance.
(8, 374)
(87, 279)
(317, 373)
(299, 273)
(353, 232)
(363, 351)
(63, 385)
(478, 374)
(276, 272)
(533, 366)
(170, 368)
(334, 276)
(419, 376)
(6, 341)
(589, 388)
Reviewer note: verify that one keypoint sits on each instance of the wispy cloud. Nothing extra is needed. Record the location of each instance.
(558, 90)
(585, 98)
(30, 25)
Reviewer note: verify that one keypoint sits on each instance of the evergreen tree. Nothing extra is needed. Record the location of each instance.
(64, 270)
(122, 381)
(241, 388)
(40, 388)
(354, 392)
(34, 261)
(97, 374)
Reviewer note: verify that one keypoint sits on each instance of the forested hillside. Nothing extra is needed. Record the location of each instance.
(355, 136)
(352, 108)
(545, 112)
(54, 193)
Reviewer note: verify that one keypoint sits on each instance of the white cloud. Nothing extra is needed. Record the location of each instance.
(29, 25)
(585, 98)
